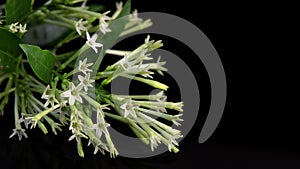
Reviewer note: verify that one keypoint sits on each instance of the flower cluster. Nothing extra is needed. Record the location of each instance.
(49, 99)
(139, 109)
(16, 27)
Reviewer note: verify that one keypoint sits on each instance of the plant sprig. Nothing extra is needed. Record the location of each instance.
(66, 89)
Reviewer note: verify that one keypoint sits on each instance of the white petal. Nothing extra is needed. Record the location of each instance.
(66, 93)
(87, 36)
(81, 78)
(71, 100)
(78, 98)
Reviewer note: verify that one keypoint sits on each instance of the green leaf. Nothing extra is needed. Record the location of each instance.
(41, 61)
(9, 50)
(16, 10)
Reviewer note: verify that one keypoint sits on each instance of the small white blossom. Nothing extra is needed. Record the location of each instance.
(24, 120)
(134, 17)
(100, 126)
(103, 25)
(45, 91)
(161, 97)
(104, 28)
(126, 64)
(160, 67)
(119, 5)
(83, 5)
(23, 28)
(91, 42)
(73, 94)
(83, 66)
(129, 108)
(20, 132)
(172, 142)
(147, 40)
(85, 81)
(79, 26)
(103, 18)
(14, 27)
(50, 98)
(100, 147)
(154, 141)
(176, 119)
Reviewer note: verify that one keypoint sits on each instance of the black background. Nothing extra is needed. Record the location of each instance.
(260, 125)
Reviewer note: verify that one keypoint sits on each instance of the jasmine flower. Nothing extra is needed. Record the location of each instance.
(50, 98)
(171, 142)
(176, 119)
(85, 81)
(14, 27)
(79, 26)
(104, 28)
(73, 93)
(126, 65)
(154, 141)
(23, 28)
(129, 108)
(91, 42)
(83, 66)
(20, 132)
(134, 17)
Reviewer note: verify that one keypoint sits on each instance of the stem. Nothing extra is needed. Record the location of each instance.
(91, 101)
(80, 10)
(7, 92)
(116, 117)
(117, 52)
(150, 82)
(58, 23)
(64, 55)
(45, 112)
(17, 123)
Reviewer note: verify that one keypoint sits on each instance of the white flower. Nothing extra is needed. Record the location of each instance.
(154, 141)
(175, 106)
(85, 81)
(79, 26)
(126, 65)
(147, 40)
(161, 97)
(119, 5)
(129, 108)
(91, 42)
(23, 28)
(50, 98)
(171, 142)
(73, 93)
(160, 67)
(104, 28)
(45, 91)
(20, 132)
(100, 126)
(103, 24)
(103, 18)
(134, 17)
(14, 27)
(176, 119)
(83, 66)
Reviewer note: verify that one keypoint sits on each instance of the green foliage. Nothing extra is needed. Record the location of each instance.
(9, 50)
(17, 10)
(41, 61)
